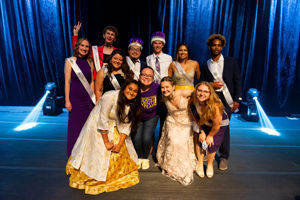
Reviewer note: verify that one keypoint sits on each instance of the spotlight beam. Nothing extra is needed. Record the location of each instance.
(265, 123)
(31, 119)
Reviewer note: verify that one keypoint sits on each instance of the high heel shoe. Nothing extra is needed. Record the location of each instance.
(200, 171)
(209, 172)
(140, 163)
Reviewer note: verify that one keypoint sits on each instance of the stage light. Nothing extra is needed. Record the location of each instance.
(31, 119)
(53, 105)
(249, 109)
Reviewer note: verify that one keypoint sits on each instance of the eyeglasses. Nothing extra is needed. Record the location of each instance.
(147, 75)
(203, 91)
(133, 49)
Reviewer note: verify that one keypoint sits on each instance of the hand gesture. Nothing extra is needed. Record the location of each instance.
(235, 106)
(109, 145)
(202, 137)
(116, 148)
(76, 28)
(209, 141)
(68, 106)
(217, 85)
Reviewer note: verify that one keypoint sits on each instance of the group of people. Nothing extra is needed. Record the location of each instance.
(116, 102)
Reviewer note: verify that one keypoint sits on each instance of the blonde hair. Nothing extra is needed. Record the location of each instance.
(210, 106)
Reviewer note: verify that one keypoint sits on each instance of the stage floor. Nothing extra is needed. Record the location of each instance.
(261, 166)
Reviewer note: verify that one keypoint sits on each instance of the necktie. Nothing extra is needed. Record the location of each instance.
(157, 65)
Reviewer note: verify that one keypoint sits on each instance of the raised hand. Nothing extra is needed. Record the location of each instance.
(76, 28)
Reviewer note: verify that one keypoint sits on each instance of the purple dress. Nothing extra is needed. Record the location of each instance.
(218, 137)
(81, 102)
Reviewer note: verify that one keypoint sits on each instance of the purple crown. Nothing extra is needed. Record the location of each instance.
(158, 36)
(136, 40)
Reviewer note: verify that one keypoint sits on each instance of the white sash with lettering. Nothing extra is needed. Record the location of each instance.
(218, 77)
(82, 79)
(132, 67)
(182, 72)
(96, 58)
(112, 79)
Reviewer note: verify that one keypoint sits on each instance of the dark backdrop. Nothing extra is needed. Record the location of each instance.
(263, 35)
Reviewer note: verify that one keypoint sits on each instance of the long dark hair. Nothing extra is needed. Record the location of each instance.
(124, 67)
(134, 114)
(188, 49)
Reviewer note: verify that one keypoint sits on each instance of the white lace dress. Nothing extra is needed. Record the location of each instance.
(175, 153)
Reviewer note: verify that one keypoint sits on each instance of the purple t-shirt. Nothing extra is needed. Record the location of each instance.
(149, 102)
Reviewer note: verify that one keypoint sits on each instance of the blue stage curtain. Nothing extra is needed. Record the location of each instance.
(35, 38)
(262, 35)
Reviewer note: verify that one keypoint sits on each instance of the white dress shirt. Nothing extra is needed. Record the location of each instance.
(164, 61)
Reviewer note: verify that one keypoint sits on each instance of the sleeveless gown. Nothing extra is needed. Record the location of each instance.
(175, 153)
(180, 80)
(81, 102)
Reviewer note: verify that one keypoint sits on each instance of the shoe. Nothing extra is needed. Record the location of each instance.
(223, 164)
(145, 164)
(200, 171)
(209, 172)
(140, 163)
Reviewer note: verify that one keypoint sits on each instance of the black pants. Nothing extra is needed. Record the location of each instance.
(225, 146)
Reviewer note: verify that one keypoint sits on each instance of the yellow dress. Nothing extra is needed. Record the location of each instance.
(86, 165)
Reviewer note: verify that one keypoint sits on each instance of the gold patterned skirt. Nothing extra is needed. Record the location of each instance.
(122, 173)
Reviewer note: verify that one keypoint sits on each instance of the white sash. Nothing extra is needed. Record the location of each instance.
(112, 79)
(182, 72)
(132, 67)
(224, 89)
(82, 79)
(96, 58)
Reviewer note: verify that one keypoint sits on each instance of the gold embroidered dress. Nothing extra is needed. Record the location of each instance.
(91, 166)
(175, 152)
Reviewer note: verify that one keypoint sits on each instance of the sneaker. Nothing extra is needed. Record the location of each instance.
(145, 163)
(223, 164)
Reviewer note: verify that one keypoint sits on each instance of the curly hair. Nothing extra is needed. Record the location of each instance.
(76, 48)
(188, 49)
(124, 67)
(134, 114)
(210, 106)
(213, 37)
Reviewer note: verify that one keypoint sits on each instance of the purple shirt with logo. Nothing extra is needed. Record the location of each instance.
(149, 102)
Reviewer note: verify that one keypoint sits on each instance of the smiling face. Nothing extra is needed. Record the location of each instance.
(216, 47)
(117, 60)
(167, 88)
(157, 46)
(109, 36)
(146, 77)
(83, 48)
(131, 91)
(202, 93)
(134, 52)
(183, 52)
